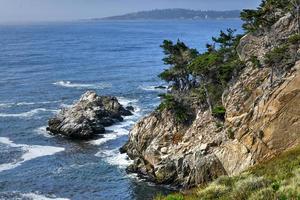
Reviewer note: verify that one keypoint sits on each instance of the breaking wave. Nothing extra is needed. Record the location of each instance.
(30, 152)
(69, 84)
(28, 114)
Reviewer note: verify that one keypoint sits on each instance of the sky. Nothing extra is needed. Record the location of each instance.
(65, 10)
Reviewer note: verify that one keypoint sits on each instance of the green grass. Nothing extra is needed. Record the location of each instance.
(276, 179)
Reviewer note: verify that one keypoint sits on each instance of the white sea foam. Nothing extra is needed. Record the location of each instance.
(127, 102)
(117, 131)
(153, 88)
(27, 114)
(8, 105)
(65, 105)
(42, 131)
(34, 196)
(31, 152)
(114, 157)
(106, 138)
(69, 84)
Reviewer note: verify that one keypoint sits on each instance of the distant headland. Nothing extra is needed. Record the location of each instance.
(175, 14)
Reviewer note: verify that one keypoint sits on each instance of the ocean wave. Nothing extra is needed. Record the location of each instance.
(34, 196)
(153, 88)
(127, 102)
(131, 102)
(117, 131)
(42, 131)
(28, 114)
(9, 105)
(104, 139)
(30, 152)
(114, 157)
(69, 84)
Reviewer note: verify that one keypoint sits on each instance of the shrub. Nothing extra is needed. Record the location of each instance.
(213, 191)
(177, 108)
(254, 60)
(175, 197)
(275, 186)
(245, 187)
(263, 194)
(219, 112)
(225, 180)
(277, 55)
(294, 39)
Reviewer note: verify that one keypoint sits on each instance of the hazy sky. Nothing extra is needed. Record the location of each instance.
(52, 10)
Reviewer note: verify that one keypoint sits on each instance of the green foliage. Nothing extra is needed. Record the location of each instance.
(204, 76)
(275, 186)
(175, 197)
(219, 112)
(177, 108)
(277, 55)
(226, 39)
(177, 56)
(265, 15)
(294, 39)
(254, 60)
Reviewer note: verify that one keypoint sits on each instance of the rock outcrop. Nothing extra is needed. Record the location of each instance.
(261, 121)
(88, 116)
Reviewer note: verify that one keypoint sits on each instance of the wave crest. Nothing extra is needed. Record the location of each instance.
(28, 114)
(31, 152)
(69, 84)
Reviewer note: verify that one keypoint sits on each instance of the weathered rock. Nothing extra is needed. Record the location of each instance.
(87, 117)
(261, 121)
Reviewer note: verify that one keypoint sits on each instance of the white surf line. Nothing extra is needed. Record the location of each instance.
(31, 152)
(117, 131)
(114, 157)
(153, 88)
(34, 196)
(43, 131)
(9, 104)
(69, 84)
(28, 114)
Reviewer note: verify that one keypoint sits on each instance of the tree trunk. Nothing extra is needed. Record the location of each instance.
(207, 98)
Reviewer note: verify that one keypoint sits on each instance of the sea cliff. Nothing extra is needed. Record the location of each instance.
(262, 118)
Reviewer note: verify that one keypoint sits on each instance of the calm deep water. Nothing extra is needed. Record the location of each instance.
(45, 67)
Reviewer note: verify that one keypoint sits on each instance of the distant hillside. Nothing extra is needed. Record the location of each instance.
(169, 14)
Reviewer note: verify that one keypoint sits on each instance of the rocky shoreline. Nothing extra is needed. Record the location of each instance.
(88, 117)
(261, 121)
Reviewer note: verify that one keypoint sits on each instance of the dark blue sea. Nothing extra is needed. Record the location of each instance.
(45, 67)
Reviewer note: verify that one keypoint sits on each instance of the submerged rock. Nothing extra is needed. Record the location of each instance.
(88, 116)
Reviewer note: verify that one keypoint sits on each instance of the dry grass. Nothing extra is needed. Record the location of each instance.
(276, 179)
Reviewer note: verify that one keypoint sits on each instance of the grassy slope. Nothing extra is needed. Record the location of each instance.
(278, 178)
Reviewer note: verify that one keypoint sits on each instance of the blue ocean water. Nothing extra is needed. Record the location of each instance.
(44, 67)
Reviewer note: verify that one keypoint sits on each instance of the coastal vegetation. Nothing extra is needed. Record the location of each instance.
(199, 81)
(278, 178)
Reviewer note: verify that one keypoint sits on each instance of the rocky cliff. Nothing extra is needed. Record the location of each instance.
(262, 120)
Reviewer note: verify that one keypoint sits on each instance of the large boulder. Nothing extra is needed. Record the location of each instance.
(88, 116)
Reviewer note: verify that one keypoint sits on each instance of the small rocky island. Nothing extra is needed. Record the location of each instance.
(88, 117)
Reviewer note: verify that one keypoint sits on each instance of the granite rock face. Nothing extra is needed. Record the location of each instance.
(87, 117)
(261, 121)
